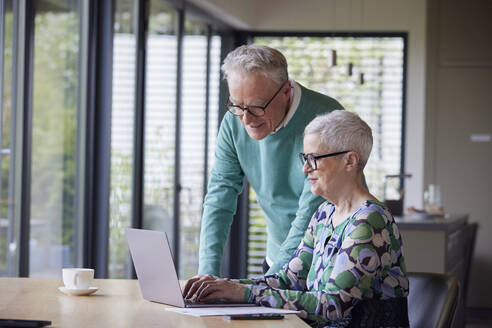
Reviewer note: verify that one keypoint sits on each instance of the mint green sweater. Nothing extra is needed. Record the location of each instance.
(274, 171)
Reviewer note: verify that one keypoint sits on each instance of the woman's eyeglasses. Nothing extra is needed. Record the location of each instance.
(312, 160)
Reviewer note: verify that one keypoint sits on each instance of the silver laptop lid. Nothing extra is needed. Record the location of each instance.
(154, 265)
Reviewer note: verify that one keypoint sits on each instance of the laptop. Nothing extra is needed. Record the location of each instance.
(156, 273)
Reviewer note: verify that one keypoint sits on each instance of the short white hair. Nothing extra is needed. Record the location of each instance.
(255, 58)
(342, 130)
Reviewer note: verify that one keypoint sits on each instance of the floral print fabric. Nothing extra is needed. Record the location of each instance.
(335, 267)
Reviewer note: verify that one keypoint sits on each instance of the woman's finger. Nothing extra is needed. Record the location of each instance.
(204, 285)
(197, 284)
(223, 289)
(211, 295)
(206, 291)
(217, 288)
(189, 283)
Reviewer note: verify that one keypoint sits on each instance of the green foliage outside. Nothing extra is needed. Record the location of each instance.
(5, 136)
(158, 199)
(54, 128)
(120, 212)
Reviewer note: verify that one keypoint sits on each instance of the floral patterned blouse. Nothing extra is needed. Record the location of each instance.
(335, 267)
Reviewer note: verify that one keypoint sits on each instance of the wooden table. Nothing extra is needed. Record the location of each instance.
(117, 303)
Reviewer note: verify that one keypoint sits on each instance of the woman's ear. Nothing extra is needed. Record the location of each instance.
(352, 161)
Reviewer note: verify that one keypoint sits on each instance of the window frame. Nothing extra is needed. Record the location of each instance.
(22, 62)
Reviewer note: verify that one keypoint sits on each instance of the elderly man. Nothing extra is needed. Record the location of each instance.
(260, 138)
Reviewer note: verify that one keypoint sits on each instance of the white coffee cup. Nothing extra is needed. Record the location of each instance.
(77, 278)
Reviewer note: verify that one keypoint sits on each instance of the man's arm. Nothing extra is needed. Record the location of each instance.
(308, 203)
(225, 184)
(294, 275)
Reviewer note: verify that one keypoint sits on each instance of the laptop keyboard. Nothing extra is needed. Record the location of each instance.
(221, 302)
(192, 302)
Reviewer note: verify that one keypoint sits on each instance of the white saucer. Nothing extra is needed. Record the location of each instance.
(77, 292)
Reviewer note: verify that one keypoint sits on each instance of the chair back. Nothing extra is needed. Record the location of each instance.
(470, 233)
(432, 300)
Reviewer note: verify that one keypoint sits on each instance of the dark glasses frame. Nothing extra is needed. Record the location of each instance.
(311, 159)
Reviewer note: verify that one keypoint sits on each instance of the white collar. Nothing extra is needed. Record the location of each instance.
(295, 98)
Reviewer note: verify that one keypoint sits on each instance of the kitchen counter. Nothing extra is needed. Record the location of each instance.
(448, 223)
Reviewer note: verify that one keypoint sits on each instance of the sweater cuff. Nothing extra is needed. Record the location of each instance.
(209, 266)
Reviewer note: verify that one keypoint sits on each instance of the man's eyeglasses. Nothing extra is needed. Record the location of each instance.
(311, 159)
(253, 110)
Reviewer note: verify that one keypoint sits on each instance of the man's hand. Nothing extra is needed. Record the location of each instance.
(204, 288)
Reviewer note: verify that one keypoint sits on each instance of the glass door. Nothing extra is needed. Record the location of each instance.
(6, 226)
(52, 242)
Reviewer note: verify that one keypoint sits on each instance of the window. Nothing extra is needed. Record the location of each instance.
(54, 132)
(122, 131)
(214, 86)
(70, 152)
(192, 143)
(167, 143)
(379, 101)
(196, 151)
(160, 121)
(6, 31)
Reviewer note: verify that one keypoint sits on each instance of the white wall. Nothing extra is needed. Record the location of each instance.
(352, 15)
(459, 98)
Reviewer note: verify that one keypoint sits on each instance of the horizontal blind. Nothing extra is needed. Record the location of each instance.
(192, 149)
(160, 121)
(193, 140)
(160, 141)
(256, 236)
(122, 131)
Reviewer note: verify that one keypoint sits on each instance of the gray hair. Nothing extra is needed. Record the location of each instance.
(342, 130)
(255, 58)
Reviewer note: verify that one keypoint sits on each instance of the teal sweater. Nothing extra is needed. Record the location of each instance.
(273, 169)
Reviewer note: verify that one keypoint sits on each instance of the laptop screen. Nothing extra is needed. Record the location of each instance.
(154, 265)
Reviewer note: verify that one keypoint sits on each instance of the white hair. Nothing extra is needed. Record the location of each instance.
(255, 58)
(342, 130)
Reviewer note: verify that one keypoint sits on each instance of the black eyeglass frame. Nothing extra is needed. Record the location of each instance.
(232, 108)
(307, 158)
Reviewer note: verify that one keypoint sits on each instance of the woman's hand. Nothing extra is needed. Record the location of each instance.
(204, 288)
(194, 283)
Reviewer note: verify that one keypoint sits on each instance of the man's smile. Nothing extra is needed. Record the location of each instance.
(256, 126)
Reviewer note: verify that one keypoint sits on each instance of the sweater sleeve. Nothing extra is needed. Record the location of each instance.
(356, 265)
(308, 203)
(224, 186)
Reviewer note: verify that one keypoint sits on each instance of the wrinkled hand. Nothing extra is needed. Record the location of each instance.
(194, 283)
(205, 288)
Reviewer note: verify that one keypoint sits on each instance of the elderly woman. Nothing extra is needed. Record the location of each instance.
(349, 269)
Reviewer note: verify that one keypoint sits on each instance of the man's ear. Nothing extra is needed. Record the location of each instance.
(352, 161)
(286, 91)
